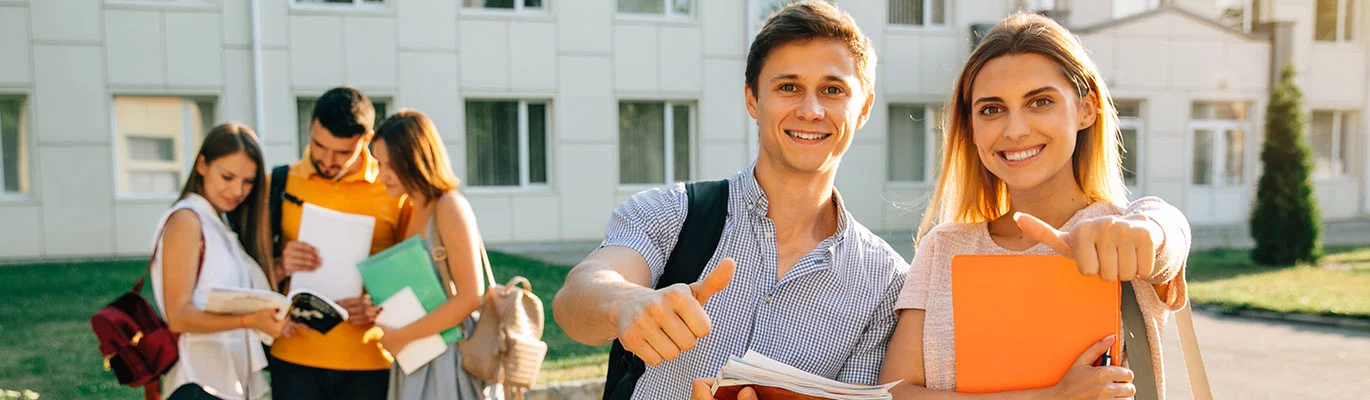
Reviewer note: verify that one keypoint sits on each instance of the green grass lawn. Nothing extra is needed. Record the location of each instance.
(1339, 285)
(46, 344)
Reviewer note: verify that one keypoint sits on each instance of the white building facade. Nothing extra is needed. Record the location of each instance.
(554, 111)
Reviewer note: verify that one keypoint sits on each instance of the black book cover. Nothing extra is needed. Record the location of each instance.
(314, 312)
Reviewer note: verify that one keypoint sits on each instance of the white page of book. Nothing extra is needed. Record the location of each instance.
(239, 301)
(343, 240)
(399, 311)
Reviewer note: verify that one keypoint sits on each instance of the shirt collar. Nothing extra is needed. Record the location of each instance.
(755, 202)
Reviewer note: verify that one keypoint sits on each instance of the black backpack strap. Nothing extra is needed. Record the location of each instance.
(1136, 347)
(698, 240)
(278, 178)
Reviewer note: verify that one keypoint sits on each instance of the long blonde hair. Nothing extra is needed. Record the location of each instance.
(967, 192)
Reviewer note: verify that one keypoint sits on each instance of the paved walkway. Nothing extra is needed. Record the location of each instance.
(1257, 359)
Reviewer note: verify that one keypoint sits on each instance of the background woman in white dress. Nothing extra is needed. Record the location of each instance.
(216, 235)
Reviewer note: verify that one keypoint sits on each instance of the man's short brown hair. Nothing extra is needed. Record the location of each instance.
(811, 20)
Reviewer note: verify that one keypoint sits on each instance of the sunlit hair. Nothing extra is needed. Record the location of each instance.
(967, 192)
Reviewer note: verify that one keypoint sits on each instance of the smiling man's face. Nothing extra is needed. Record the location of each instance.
(808, 104)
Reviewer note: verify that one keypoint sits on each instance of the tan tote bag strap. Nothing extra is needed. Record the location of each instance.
(436, 234)
(485, 260)
(1193, 360)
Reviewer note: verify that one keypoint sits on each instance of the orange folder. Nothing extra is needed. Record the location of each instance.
(1021, 321)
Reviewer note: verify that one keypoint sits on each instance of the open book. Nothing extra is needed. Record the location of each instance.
(303, 306)
(754, 369)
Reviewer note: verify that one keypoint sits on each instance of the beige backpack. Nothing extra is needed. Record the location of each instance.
(506, 345)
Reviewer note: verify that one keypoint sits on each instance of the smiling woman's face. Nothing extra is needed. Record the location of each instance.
(228, 180)
(1024, 117)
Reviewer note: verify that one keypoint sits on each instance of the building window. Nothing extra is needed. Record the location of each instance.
(915, 142)
(506, 143)
(765, 8)
(1240, 15)
(1331, 138)
(669, 8)
(342, 2)
(918, 12)
(157, 139)
(1335, 21)
(14, 155)
(305, 117)
(1219, 131)
(516, 5)
(654, 142)
(1130, 126)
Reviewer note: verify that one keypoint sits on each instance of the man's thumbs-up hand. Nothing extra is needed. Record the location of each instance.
(657, 325)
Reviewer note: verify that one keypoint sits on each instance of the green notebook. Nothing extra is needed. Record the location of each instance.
(407, 264)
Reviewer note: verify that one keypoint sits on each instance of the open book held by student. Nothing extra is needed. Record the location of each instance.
(302, 305)
(763, 373)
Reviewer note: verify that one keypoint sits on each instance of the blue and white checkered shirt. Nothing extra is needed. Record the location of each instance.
(830, 315)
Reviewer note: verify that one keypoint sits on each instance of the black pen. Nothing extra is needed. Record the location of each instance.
(1106, 360)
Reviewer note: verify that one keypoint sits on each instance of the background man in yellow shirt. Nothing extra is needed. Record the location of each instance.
(337, 172)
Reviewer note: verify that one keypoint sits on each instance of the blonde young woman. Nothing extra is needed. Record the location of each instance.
(1032, 166)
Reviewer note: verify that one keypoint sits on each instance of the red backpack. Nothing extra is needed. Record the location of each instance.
(135, 342)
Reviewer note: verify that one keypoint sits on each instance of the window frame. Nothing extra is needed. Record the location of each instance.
(385, 7)
(1339, 134)
(184, 146)
(26, 151)
(525, 170)
(927, 17)
(1342, 33)
(1137, 124)
(932, 134)
(354, 3)
(668, 141)
(1218, 154)
(519, 8)
(667, 13)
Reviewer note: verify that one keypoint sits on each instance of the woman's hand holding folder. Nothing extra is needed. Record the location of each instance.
(1085, 381)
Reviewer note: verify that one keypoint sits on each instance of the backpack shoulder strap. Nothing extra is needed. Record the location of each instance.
(696, 244)
(278, 178)
(1138, 350)
(699, 236)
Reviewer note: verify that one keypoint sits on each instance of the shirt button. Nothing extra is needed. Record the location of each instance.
(769, 235)
(768, 299)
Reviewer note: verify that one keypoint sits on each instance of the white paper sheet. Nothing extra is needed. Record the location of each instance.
(403, 309)
(343, 240)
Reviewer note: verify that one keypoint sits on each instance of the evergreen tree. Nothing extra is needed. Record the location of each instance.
(1285, 222)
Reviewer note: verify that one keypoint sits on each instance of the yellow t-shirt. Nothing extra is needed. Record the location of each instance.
(343, 348)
